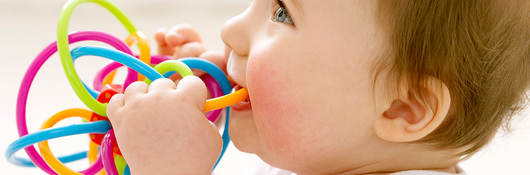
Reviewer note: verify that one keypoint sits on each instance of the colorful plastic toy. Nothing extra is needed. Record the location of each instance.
(103, 153)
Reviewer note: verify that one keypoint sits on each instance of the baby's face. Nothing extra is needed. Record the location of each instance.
(307, 68)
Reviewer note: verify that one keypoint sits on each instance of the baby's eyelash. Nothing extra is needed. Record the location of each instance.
(281, 13)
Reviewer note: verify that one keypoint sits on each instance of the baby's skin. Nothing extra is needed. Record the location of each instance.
(307, 66)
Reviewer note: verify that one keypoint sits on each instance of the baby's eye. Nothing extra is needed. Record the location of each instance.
(282, 15)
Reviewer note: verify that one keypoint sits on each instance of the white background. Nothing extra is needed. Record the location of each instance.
(26, 27)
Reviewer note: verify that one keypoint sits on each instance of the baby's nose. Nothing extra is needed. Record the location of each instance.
(236, 33)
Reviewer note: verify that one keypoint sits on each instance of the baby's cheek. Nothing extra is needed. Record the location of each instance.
(280, 115)
(267, 85)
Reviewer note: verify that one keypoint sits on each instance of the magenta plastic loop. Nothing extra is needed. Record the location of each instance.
(95, 168)
(215, 91)
(107, 154)
(100, 76)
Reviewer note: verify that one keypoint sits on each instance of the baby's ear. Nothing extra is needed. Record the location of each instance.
(406, 118)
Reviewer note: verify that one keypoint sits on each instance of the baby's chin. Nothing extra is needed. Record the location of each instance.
(242, 130)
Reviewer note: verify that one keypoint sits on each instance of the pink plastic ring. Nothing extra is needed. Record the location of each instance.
(215, 91)
(100, 76)
(107, 154)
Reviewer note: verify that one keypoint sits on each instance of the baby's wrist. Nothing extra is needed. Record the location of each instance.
(169, 170)
(167, 166)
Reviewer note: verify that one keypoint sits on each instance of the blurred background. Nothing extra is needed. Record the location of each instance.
(26, 27)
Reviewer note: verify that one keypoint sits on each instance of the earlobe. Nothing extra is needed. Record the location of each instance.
(406, 119)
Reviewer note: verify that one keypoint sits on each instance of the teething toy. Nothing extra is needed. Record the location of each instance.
(107, 156)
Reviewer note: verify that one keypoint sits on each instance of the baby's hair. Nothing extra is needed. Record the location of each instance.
(478, 48)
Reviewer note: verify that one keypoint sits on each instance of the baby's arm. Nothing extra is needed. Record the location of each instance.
(161, 128)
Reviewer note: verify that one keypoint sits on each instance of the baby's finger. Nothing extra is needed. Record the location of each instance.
(114, 105)
(181, 34)
(192, 49)
(160, 37)
(216, 57)
(135, 89)
(162, 84)
(194, 88)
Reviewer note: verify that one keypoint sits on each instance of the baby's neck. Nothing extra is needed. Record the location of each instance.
(452, 169)
(407, 158)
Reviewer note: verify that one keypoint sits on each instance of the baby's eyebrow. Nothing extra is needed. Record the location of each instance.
(297, 5)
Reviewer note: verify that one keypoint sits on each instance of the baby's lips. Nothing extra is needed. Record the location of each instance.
(243, 105)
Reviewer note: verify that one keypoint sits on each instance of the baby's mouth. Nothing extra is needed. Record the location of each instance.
(243, 105)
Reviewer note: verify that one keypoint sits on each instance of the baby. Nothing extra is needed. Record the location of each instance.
(339, 87)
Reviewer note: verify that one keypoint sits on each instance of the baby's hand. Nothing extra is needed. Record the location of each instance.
(181, 41)
(184, 41)
(161, 128)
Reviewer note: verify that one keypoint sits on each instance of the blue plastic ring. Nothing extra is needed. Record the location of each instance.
(117, 56)
(36, 137)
